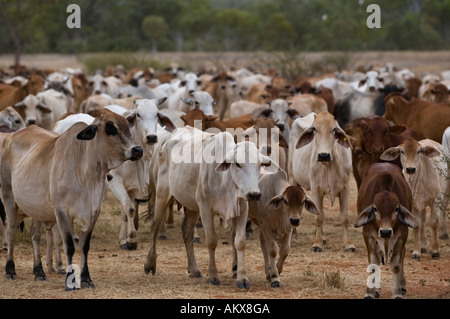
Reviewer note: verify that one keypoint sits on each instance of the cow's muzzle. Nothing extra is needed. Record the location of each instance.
(294, 221)
(324, 157)
(385, 233)
(410, 170)
(253, 196)
(152, 139)
(136, 153)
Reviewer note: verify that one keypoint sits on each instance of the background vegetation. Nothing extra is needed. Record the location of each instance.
(38, 26)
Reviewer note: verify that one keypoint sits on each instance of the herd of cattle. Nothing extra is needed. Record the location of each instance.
(236, 143)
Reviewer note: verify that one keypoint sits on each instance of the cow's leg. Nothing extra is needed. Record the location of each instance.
(263, 245)
(343, 216)
(372, 291)
(65, 229)
(161, 206)
(238, 224)
(50, 244)
(417, 234)
(272, 252)
(11, 225)
(318, 241)
(85, 239)
(127, 234)
(443, 232)
(187, 227)
(285, 245)
(434, 222)
(36, 232)
(57, 244)
(396, 263)
(211, 242)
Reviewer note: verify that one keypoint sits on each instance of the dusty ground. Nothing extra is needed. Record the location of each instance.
(307, 275)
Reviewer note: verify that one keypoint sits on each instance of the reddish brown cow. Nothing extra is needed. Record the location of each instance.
(210, 121)
(80, 90)
(427, 119)
(384, 210)
(371, 136)
(220, 88)
(436, 92)
(262, 92)
(10, 95)
(412, 88)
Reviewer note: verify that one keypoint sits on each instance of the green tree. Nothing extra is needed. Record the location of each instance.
(154, 27)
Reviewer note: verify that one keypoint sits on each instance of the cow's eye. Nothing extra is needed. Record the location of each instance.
(138, 115)
(401, 152)
(375, 210)
(111, 129)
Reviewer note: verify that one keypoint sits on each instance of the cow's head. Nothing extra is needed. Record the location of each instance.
(97, 84)
(293, 199)
(196, 114)
(373, 82)
(191, 82)
(325, 133)
(35, 84)
(201, 100)
(144, 118)
(111, 136)
(377, 134)
(385, 213)
(223, 80)
(36, 112)
(244, 164)
(411, 155)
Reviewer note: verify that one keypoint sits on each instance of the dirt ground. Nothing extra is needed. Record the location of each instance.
(331, 274)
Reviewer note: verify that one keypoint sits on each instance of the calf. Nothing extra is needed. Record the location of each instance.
(427, 181)
(221, 89)
(277, 213)
(384, 211)
(61, 179)
(322, 163)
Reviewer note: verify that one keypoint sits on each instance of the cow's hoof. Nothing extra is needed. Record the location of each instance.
(87, 284)
(241, 284)
(415, 256)
(398, 297)
(377, 294)
(40, 278)
(195, 274)
(11, 276)
(435, 255)
(423, 250)
(197, 240)
(316, 249)
(275, 284)
(162, 237)
(148, 270)
(214, 281)
(443, 236)
(368, 297)
(403, 291)
(351, 250)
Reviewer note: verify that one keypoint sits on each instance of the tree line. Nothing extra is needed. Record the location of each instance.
(39, 26)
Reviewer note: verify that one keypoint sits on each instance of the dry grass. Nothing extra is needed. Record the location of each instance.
(306, 275)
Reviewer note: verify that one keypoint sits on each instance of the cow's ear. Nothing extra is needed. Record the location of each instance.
(342, 138)
(88, 133)
(162, 100)
(306, 137)
(310, 206)
(390, 154)
(183, 117)
(397, 129)
(365, 217)
(275, 202)
(166, 122)
(222, 167)
(188, 101)
(406, 217)
(293, 114)
(131, 118)
(429, 151)
(361, 83)
(44, 108)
